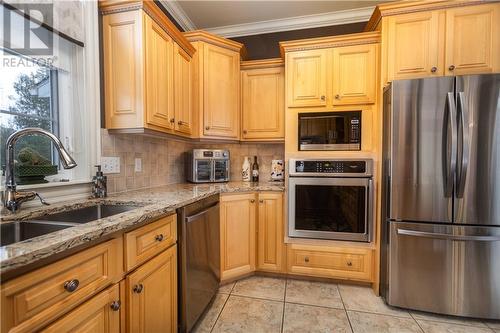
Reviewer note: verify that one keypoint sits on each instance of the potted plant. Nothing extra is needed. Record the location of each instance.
(32, 168)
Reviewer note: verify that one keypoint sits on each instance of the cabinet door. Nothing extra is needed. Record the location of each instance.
(472, 39)
(122, 41)
(152, 295)
(159, 76)
(183, 91)
(237, 235)
(306, 78)
(270, 239)
(263, 110)
(354, 74)
(415, 45)
(99, 314)
(221, 92)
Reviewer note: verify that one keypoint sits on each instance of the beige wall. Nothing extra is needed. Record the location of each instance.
(163, 160)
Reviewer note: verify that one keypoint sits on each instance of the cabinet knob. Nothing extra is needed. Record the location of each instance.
(172, 120)
(252, 201)
(434, 69)
(245, 132)
(323, 97)
(71, 285)
(261, 201)
(207, 127)
(180, 122)
(306, 259)
(452, 67)
(337, 96)
(138, 288)
(116, 305)
(349, 263)
(159, 237)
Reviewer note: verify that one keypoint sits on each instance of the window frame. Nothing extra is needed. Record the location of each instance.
(80, 188)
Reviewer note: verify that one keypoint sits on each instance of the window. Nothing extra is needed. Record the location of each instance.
(56, 91)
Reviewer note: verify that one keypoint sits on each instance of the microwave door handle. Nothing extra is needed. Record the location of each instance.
(449, 149)
(464, 151)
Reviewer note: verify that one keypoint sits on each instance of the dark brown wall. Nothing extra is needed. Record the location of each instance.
(266, 45)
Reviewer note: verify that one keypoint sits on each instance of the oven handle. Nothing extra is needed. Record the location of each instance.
(369, 221)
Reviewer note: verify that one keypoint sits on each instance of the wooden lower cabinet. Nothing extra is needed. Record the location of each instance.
(237, 235)
(270, 246)
(330, 262)
(99, 314)
(35, 299)
(152, 295)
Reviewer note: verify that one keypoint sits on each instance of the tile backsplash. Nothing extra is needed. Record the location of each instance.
(163, 159)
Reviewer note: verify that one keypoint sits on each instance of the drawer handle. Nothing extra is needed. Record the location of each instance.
(306, 259)
(349, 263)
(159, 237)
(138, 288)
(116, 305)
(71, 285)
(434, 69)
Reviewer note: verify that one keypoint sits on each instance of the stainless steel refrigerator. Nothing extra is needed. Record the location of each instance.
(441, 195)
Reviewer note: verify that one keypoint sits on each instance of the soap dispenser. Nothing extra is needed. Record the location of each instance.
(99, 186)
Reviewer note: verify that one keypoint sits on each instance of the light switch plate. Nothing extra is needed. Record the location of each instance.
(138, 165)
(110, 164)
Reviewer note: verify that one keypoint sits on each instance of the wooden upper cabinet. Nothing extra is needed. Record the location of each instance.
(263, 100)
(306, 78)
(139, 45)
(354, 74)
(99, 314)
(183, 91)
(160, 76)
(221, 91)
(237, 235)
(152, 295)
(270, 240)
(216, 86)
(473, 39)
(415, 45)
(122, 47)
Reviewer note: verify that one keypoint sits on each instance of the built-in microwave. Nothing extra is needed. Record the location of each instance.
(330, 130)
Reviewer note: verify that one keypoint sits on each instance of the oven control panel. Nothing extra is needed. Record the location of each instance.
(329, 167)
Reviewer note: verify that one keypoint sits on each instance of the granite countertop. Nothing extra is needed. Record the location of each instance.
(152, 204)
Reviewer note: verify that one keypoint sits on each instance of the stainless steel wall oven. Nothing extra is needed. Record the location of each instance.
(330, 199)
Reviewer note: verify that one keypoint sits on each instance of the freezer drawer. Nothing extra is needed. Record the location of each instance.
(445, 269)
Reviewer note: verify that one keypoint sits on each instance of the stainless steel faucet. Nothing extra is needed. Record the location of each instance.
(12, 198)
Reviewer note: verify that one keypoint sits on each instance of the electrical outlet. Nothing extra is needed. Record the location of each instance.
(138, 165)
(110, 164)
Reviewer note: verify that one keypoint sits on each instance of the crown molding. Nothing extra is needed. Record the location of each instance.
(178, 14)
(294, 23)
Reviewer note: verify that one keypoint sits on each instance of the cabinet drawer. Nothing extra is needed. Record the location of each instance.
(321, 261)
(99, 314)
(35, 299)
(144, 243)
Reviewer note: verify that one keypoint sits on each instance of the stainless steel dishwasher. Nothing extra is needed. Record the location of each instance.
(199, 258)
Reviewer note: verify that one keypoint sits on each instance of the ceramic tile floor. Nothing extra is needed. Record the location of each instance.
(265, 304)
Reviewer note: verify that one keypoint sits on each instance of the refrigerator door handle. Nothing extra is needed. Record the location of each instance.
(464, 149)
(448, 236)
(449, 148)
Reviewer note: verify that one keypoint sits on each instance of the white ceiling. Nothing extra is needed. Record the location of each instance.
(210, 14)
(218, 16)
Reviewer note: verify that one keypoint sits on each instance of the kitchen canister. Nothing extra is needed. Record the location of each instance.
(277, 170)
(245, 169)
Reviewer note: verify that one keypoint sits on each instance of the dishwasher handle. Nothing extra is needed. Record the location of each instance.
(203, 212)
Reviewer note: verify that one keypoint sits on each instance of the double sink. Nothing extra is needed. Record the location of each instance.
(17, 231)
